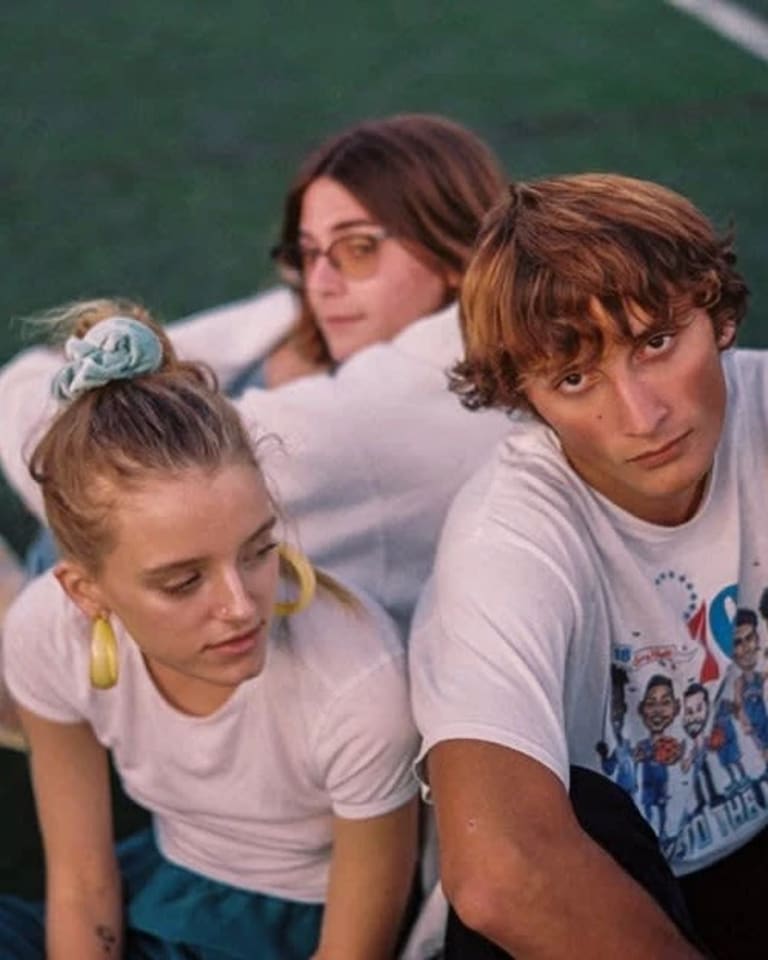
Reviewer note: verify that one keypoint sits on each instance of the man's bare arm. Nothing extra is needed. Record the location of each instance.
(519, 869)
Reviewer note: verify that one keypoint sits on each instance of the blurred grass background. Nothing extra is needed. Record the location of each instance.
(146, 146)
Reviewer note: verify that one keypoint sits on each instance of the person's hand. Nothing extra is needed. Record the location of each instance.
(285, 364)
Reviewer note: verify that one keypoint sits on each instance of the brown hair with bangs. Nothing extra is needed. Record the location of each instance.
(426, 180)
(555, 247)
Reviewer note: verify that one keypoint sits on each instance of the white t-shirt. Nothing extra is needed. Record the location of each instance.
(371, 456)
(246, 795)
(545, 596)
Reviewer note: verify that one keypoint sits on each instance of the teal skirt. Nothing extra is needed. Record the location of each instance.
(174, 914)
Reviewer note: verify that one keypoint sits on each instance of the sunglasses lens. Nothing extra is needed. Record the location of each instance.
(356, 255)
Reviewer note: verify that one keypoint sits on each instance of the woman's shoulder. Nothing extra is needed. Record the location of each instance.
(351, 689)
(414, 361)
(41, 602)
(45, 650)
(339, 641)
(417, 358)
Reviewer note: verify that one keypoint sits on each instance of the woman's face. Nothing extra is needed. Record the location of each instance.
(355, 313)
(193, 578)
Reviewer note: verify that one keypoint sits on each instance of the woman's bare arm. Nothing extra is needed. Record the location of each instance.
(372, 870)
(71, 783)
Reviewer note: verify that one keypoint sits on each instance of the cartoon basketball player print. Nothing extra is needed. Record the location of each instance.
(695, 717)
(724, 742)
(749, 685)
(657, 752)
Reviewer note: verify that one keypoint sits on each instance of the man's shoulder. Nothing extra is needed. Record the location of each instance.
(746, 377)
(524, 468)
(525, 493)
(746, 366)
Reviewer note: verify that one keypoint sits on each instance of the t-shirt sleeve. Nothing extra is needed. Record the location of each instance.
(489, 650)
(366, 741)
(44, 668)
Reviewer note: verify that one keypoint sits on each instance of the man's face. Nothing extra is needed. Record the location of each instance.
(695, 712)
(658, 708)
(641, 424)
(745, 646)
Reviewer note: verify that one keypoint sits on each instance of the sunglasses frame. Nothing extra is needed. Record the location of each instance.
(287, 257)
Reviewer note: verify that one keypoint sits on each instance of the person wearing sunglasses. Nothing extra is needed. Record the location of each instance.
(376, 229)
(347, 361)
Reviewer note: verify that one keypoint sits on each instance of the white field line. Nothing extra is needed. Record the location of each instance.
(730, 20)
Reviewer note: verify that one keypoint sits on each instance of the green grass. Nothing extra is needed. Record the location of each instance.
(146, 146)
(760, 7)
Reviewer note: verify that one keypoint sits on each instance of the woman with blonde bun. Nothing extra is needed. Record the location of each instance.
(256, 707)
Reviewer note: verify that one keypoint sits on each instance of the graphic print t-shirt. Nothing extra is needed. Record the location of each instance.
(686, 727)
(560, 626)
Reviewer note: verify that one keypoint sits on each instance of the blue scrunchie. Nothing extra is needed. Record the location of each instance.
(117, 348)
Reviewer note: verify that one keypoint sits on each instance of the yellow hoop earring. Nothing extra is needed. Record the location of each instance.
(303, 573)
(103, 661)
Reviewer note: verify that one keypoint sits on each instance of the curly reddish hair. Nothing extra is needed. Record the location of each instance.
(554, 247)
